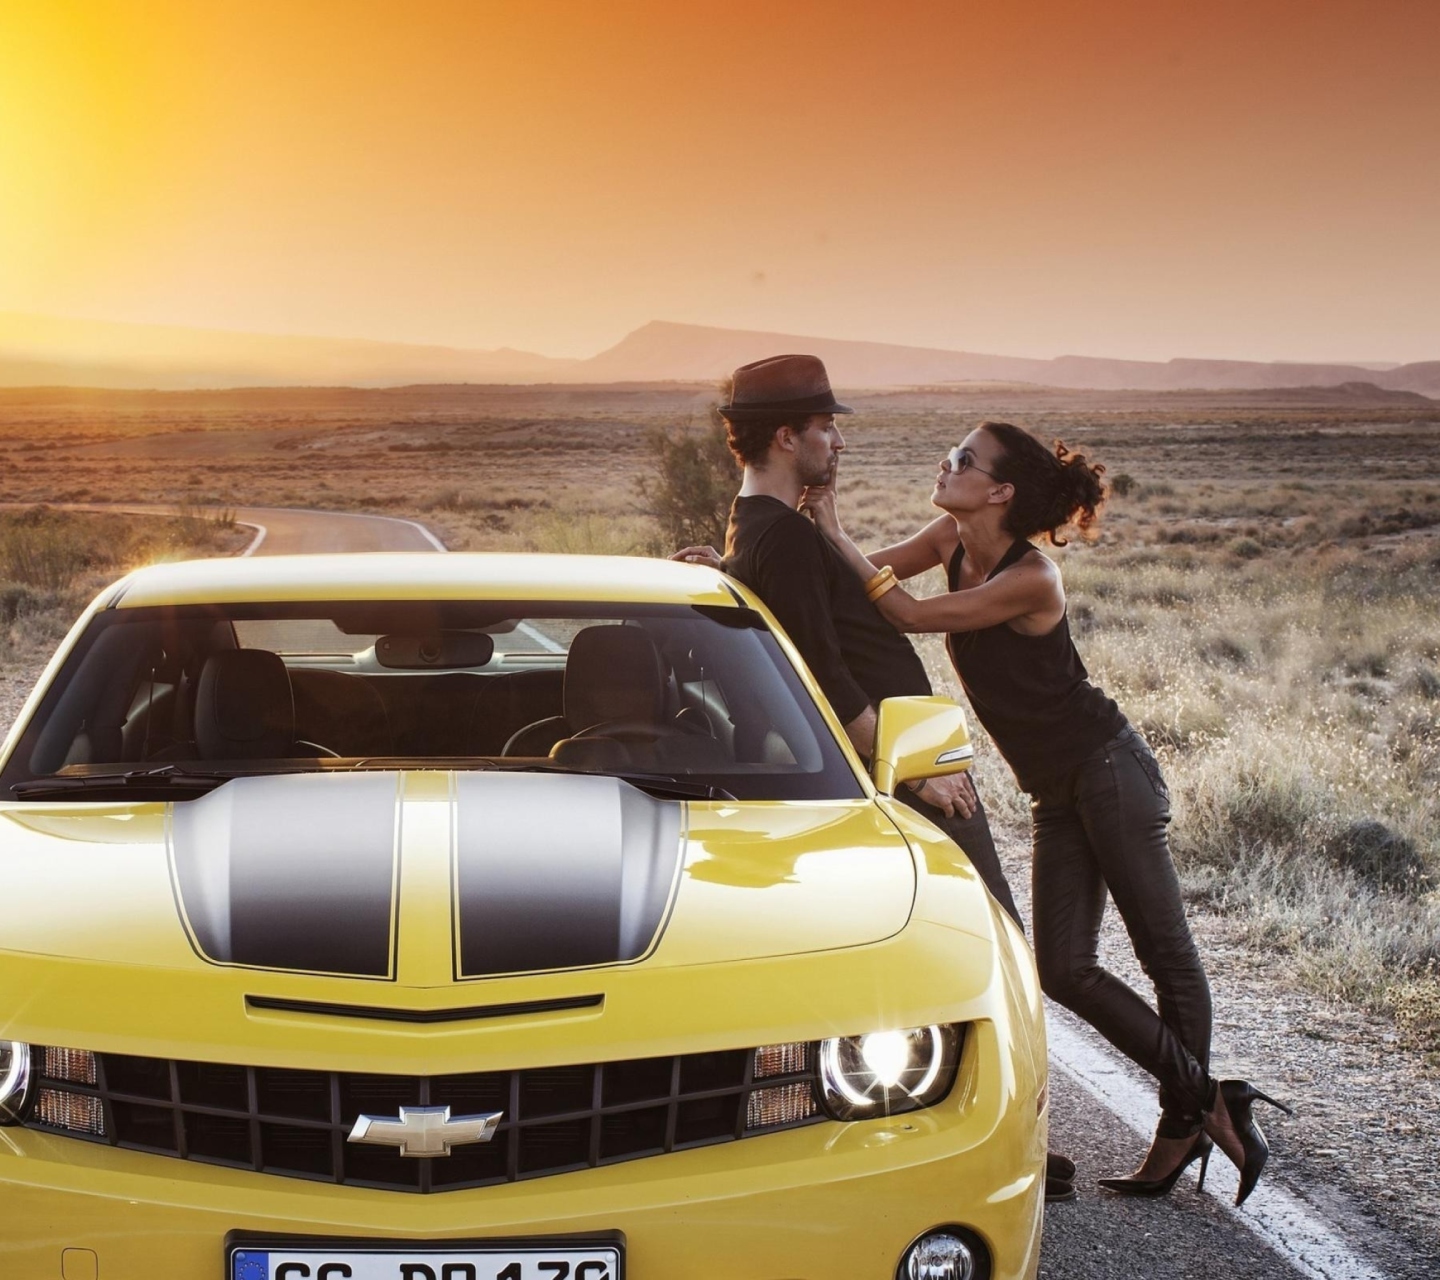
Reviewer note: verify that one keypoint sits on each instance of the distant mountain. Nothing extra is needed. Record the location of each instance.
(661, 350)
(45, 351)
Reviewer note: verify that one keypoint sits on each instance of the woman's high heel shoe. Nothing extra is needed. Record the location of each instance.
(1200, 1150)
(1239, 1096)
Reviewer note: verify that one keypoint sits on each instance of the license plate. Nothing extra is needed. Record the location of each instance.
(477, 1260)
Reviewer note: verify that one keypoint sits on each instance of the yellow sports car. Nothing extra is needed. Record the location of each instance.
(492, 918)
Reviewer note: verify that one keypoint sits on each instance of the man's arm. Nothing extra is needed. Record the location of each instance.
(861, 732)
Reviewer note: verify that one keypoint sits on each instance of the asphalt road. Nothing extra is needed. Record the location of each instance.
(286, 532)
(1099, 1236)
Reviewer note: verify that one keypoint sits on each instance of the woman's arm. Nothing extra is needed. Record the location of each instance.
(923, 549)
(1029, 590)
(818, 502)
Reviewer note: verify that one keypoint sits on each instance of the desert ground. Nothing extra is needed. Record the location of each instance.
(1262, 601)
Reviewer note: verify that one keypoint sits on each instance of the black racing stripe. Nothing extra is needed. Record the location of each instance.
(292, 872)
(519, 1009)
(559, 872)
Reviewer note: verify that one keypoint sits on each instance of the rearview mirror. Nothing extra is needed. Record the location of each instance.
(918, 738)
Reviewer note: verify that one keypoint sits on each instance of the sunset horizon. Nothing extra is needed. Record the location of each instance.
(14, 317)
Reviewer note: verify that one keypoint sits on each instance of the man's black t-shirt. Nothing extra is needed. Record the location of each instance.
(856, 655)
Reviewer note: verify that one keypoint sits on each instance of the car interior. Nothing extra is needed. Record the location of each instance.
(672, 691)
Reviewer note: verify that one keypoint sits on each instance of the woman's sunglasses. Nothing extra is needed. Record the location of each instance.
(962, 460)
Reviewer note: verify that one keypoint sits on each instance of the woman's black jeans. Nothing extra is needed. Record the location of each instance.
(1103, 826)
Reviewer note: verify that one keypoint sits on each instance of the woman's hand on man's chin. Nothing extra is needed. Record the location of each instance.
(818, 501)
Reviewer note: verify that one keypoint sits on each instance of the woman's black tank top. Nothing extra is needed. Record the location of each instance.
(1032, 693)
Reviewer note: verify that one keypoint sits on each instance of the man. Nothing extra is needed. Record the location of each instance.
(780, 423)
(781, 427)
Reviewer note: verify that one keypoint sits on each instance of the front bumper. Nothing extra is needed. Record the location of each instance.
(831, 1200)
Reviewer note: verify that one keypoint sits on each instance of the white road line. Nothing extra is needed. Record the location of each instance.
(1284, 1222)
(543, 641)
(260, 532)
(425, 533)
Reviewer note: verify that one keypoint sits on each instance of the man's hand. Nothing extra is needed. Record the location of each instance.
(707, 556)
(953, 793)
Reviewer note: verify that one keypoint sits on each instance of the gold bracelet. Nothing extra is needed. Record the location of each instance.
(891, 581)
(872, 585)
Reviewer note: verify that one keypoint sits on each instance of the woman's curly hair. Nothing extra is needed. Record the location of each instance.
(1053, 491)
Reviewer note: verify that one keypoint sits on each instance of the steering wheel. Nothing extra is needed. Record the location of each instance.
(320, 752)
(634, 731)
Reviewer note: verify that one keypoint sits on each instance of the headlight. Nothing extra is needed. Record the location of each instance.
(14, 1080)
(888, 1072)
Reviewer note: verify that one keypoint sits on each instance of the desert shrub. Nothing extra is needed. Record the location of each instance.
(1378, 856)
(1122, 485)
(1415, 1003)
(41, 547)
(691, 485)
(1425, 681)
(17, 601)
(1225, 652)
(1189, 533)
(1386, 522)
(53, 551)
(1374, 663)
(1246, 549)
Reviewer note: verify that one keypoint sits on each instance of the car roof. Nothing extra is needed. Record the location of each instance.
(422, 576)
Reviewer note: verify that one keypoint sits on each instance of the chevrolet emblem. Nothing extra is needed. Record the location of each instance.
(425, 1131)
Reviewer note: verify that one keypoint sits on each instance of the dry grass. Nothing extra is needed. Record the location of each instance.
(52, 562)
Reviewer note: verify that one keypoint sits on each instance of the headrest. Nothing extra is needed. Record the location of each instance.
(243, 707)
(613, 673)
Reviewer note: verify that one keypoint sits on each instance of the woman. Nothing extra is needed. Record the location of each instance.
(1098, 802)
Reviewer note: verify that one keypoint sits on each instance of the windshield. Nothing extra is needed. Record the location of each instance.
(696, 694)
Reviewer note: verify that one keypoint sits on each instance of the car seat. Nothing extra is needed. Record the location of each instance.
(244, 709)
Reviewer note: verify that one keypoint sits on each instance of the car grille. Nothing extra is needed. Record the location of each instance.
(295, 1123)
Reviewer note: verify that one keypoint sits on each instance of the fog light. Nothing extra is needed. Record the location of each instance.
(940, 1255)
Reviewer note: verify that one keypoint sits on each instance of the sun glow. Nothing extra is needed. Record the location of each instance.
(1034, 178)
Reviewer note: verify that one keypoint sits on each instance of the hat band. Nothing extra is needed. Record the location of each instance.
(824, 402)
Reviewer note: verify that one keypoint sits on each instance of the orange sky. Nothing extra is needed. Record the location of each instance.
(1258, 179)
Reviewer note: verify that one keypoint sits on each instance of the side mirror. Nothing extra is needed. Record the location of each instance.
(918, 738)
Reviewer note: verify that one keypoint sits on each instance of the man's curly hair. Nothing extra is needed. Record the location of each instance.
(749, 436)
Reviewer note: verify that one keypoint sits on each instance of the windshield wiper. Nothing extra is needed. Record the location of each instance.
(170, 777)
(657, 784)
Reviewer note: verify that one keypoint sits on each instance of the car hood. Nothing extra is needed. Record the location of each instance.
(430, 879)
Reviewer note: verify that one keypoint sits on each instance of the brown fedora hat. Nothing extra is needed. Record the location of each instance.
(782, 384)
